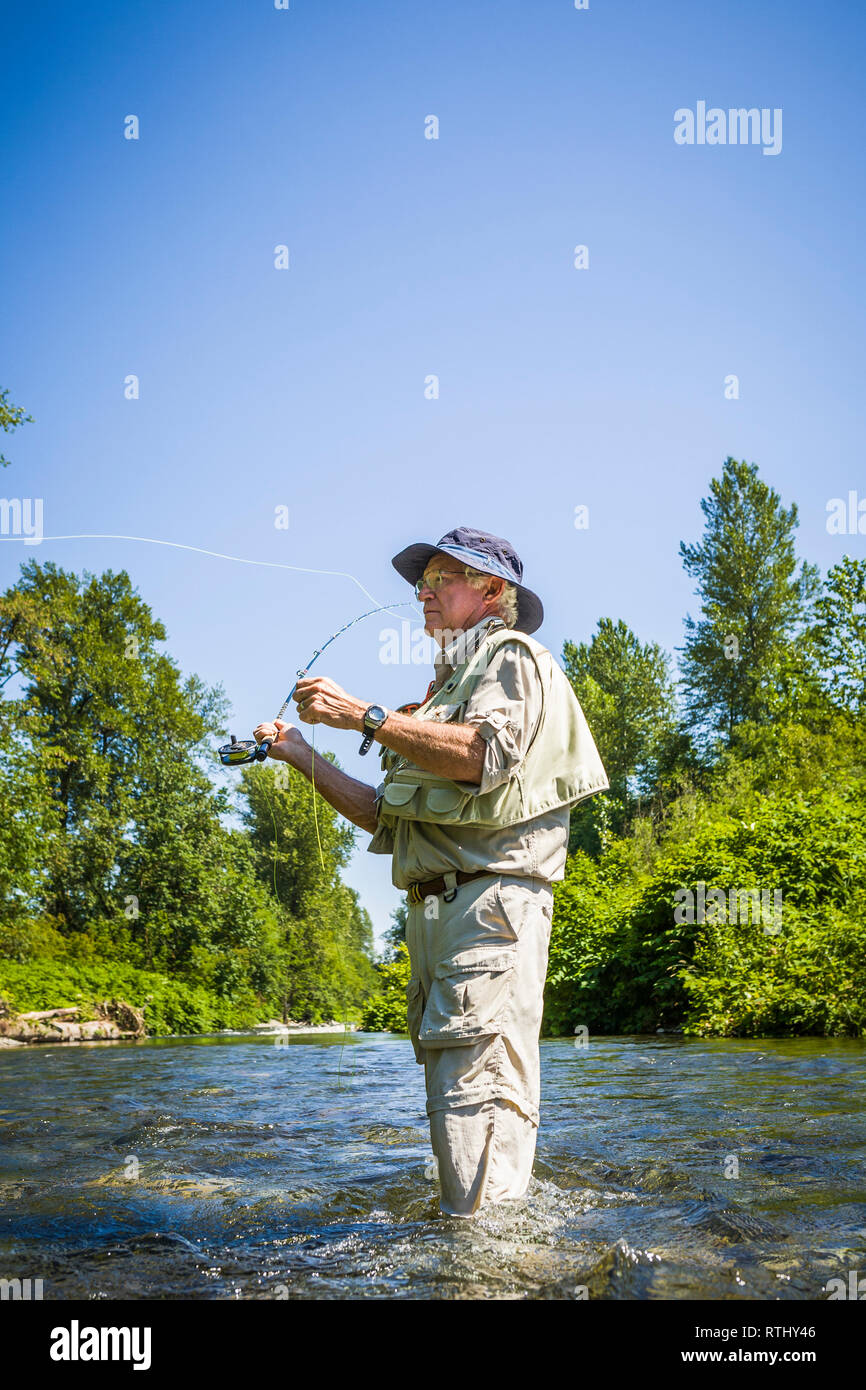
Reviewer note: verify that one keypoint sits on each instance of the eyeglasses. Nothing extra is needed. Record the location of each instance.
(436, 579)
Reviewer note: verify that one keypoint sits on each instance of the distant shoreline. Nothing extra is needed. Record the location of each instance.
(48, 1026)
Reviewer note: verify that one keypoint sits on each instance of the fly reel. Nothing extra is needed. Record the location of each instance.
(244, 750)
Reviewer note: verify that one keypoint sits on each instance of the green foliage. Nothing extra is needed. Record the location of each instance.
(26, 823)
(115, 852)
(322, 967)
(626, 692)
(11, 416)
(299, 845)
(776, 806)
(811, 980)
(840, 632)
(622, 962)
(170, 1006)
(122, 875)
(99, 704)
(386, 1012)
(742, 659)
(396, 933)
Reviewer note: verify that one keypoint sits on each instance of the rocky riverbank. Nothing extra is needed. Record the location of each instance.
(118, 1021)
(115, 1021)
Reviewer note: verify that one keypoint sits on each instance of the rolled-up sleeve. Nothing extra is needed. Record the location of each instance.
(505, 708)
(383, 837)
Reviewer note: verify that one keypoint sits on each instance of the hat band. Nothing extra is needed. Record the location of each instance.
(488, 564)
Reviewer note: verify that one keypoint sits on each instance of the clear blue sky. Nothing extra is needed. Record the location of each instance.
(411, 257)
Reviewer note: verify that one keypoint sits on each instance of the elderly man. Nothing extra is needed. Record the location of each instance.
(474, 808)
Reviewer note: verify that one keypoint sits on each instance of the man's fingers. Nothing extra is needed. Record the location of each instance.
(316, 685)
(271, 732)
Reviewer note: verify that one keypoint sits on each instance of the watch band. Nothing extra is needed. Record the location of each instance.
(370, 728)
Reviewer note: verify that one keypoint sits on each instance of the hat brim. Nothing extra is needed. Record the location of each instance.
(411, 563)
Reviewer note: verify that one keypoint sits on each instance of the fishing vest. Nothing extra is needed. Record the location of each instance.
(560, 767)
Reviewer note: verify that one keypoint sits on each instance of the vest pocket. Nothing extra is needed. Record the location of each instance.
(446, 802)
(401, 795)
(468, 998)
(421, 801)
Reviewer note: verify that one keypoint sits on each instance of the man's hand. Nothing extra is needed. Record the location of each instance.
(353, 799)
(285, 739)
(321, 701)
(455, 751)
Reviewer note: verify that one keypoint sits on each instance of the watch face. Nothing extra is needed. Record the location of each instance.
(376, 714)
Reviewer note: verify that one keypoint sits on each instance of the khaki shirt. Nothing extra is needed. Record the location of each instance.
(505, 709)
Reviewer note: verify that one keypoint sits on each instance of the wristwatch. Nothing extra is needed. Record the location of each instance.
(374, 718)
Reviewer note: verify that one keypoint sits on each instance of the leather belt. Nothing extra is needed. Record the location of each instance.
(434, 886)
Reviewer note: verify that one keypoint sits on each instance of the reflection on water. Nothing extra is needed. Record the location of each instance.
(240, 1167)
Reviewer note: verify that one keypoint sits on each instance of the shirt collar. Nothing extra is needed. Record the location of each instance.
(465, 644)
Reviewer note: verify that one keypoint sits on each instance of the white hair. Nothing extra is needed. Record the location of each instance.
(506, 604)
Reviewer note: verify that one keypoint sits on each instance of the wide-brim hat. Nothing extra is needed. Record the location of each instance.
(480, 551)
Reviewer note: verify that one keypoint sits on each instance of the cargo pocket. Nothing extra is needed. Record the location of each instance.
(469, 998)
(414, 1014)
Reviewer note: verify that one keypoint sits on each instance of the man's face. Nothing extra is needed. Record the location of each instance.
(454, 606)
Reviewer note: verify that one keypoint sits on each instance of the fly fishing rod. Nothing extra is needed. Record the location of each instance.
(247, 750)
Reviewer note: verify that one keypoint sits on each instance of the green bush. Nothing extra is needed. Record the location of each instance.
(811, 979)
(386, 1012)
(621, 962)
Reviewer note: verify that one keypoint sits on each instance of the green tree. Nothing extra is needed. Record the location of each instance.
(396, 933)
(26, 824)
(11, 416)
(747, 657)
(196, 905)
(97, 698)
(840, 632)
(299, 846)
(300, 843)
(116, 845)
(627, 694)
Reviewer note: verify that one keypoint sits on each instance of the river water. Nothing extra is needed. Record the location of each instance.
(248, 1168)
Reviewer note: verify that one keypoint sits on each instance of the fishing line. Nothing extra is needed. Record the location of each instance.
(322, 862)
(239, 752)
(315, 808)
(276, 848)
(196, 549)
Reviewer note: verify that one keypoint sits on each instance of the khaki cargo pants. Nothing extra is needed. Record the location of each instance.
(474, 1005)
